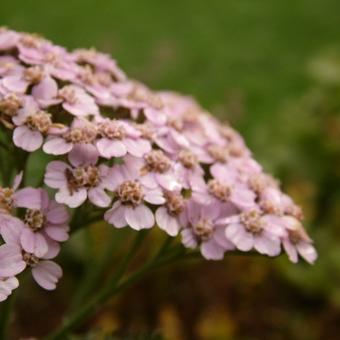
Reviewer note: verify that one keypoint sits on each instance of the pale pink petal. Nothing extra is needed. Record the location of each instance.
(99, 197)
(116, 215)
(53, 249)
(73, 200)
(44, 199)
(57, 146)
(11, 262)
(221, 239)
(47, 274)
(57, 232)
(11, 228)
(57, 213)
(237, 235)
(15, 84)
(33, 242)
(211, 250)
(154, 196)
(307, 251)
(188, 238)
(29, 198)
(166, 222)
(290, 250)
(83, 154)
(243, 198)
(27, 139)
(46, 90)
(211, 212)
(140, 217)
(155, 116)
(55, 174)
(9, 284)
(168, 181)
(149, 180)
(110, 148)
(137, 148)
(267, 245)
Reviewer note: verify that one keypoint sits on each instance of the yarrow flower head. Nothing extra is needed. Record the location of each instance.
(139, 158)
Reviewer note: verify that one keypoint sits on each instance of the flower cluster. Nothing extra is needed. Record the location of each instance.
(148, 159)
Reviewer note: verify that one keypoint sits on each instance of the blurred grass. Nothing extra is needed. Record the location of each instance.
(256, 47)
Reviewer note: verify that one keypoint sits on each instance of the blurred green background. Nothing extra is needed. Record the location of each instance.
(272, 68)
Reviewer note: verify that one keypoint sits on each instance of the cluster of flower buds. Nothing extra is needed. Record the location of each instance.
(148, 159)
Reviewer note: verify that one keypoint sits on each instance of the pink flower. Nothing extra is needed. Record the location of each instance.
(44, 226)
(32, 125)
(22, 78)
(77, 102)
(9, 66)
(13, 260)
(78, 141)
(297, 242)
(171, 140)
(222, 192)
(100, 61)
(251, 229)
(130, 207)
(242, 167)
(188, 168)
(13, 197)
(159, 156)
(117, 138)
(35, 241)
(157, 170)
(46, 92)
(203, 231)
(98, 84)
(137, 98)
(170, 217)
(34, 50)
(77, 183)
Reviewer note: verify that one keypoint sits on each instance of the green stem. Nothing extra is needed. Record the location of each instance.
(5, 315)
(97, 269)
(85, 311)
(115, 287)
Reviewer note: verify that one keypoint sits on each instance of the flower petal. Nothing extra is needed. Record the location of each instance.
(110, 148)
(211, 250)
(11, 262)
(140, 217)
(47, 274)
(55, 174)
(166, 222)
(33, 242)
(116, 215)
(236, 234)
(74, 199)
(99, 197)
(57, 146)
(27, 139)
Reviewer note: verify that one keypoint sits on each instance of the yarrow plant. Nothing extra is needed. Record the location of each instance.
(134, 157)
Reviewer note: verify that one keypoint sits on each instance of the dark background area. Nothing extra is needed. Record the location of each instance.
(271, 68)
